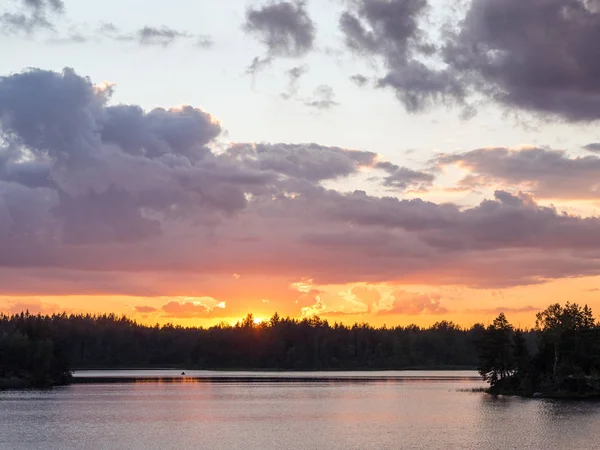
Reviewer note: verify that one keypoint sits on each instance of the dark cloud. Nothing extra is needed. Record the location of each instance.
(310, 162)
(403, 178)
(116, 173)
(22, 23)
(42, 5)
(118, 165)
(285, 28)
(533, 55)
(159, 36)
(323, 98)
(547, 173)
(294, 75)
(110, 216)
(31, 16)
(95, 195)
(507, 221)
(391, 30)
(152, 36)
(538, 55)
(184, 130)
(258, 64)
(359, 80)
(593, 147)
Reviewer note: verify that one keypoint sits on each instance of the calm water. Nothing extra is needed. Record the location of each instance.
(408, 411)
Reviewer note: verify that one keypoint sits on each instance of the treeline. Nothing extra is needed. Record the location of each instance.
(29, 353)
(565, 362)
(108, 341)
(560, 357)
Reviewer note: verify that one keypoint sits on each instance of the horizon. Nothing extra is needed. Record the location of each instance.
(361, 161)
(260, 321)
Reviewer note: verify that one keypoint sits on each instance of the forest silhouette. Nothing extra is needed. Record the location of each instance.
(561, 355)
(564, 360)
(109, 341)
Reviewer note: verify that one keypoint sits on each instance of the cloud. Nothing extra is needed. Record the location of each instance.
(153, 36)
(318, 308)
(198, 307)
(532, 55)
(537, 55)
(89, 159)
(107, 28)
(503, 309)
(324, 98)
(366, 295)
(403, 178)
(302, 286)
(285, 28)
(32, 305)
(412, 304)
(546, 173)
(508, 221)
(294, 75)
(258, 64)
(74, 37)
(108, 198)
(204, 41)
(147, 36)
(31, 16)
(391, 30)
(593, 147)
(359, 80)
(145, 309)
(311, 162)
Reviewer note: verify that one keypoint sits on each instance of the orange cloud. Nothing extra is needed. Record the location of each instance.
(145, 309)
(196, 307)
(412, 304)
(33, 305)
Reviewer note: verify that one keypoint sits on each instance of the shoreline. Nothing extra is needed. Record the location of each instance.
(132, 376)
(548, 395)
(332, 370)
(263, 379)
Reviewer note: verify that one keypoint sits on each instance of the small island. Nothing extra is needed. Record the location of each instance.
(560, 358)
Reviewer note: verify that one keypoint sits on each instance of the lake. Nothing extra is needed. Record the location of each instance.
(262, 410)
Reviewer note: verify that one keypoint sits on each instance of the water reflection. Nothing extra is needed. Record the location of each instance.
(421, 414)
(549, 424)
(258, 375)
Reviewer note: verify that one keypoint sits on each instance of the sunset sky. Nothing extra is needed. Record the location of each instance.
(381, 161)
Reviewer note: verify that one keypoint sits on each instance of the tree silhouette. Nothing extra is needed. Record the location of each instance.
(496, 360)
(565, 362)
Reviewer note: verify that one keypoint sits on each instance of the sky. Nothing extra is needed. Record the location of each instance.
(382, 161)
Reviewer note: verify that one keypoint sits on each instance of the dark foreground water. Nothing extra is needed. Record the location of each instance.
(391, 410)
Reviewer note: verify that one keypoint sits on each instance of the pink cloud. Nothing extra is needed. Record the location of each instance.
(412, 304)
(147, 208)
(34, 306)
(200, 307)
(145, 309)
